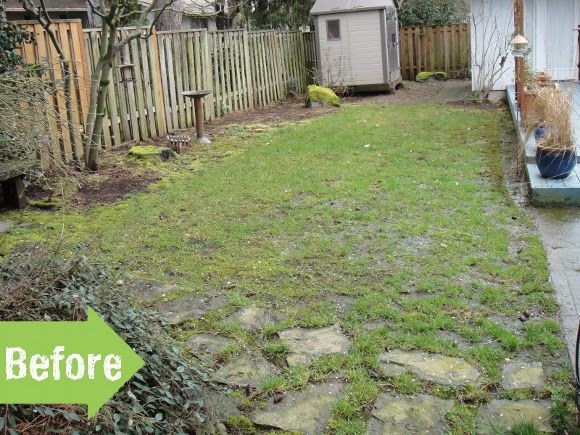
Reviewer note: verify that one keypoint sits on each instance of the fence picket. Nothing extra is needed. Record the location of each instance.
(242, 69)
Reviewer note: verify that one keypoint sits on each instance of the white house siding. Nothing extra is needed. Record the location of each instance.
(548, 25)
(357, 58)
(492, 25)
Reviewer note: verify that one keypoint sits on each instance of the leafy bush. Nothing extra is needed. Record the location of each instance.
(163, 397)
(433, 12)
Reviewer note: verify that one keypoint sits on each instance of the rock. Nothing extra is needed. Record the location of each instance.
(304, 345)
(5, 226)
(320, 94)
(204, 346)
(305, 411)
(148, 290)
(192, 306)
(254, 318)
(249, 369)
(414, 415)
(523, 375)
(147, 151)
(430, 367)
(501, 415)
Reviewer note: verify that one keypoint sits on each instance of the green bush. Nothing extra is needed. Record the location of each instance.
(163, 397)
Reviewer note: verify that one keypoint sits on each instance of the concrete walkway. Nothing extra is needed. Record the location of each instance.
(560, 232)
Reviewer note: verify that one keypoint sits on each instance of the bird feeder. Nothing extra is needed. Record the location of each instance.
(126, 71)
(520, 46)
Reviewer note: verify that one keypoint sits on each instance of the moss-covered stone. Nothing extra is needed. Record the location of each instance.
(322, 95)
(146, 151)
(47, 204)
(426, 75)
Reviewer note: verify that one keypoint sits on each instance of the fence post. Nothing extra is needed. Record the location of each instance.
(160, 112)
(248, 68)
(206, 75)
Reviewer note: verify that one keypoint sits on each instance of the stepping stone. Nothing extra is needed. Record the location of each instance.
(505, 414)
(420, 414)
(305, 411)
(249, 369)
(192, 306)
(148, 290)
(5, 226)
(437, 368)
(305, 345)
(522, 375)
(204, 346)
(254, 318)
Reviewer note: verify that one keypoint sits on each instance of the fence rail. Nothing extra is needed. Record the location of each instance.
(242, 69)
(435, 48)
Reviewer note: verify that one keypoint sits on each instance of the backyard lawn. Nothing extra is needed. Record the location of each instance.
(328, 255)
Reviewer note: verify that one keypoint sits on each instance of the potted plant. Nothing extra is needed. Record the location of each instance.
(556, 149)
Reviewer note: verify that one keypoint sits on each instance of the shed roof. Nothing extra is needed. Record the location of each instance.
(335, 6)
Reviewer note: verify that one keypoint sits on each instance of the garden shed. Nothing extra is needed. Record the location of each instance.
(357, 43)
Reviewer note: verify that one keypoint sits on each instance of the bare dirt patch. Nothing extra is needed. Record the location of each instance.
(109, 184)
(276, 114)
(113, 184)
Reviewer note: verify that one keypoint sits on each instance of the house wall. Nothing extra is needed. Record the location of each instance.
(492, 25)
(548, 25)
(355, 60)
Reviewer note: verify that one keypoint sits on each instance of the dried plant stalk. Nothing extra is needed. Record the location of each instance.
(552, 109)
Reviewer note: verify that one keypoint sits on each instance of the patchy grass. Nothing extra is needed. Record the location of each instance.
(392, 222)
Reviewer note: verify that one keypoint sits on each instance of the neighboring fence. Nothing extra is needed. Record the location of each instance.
(435, 48)
(243, 69)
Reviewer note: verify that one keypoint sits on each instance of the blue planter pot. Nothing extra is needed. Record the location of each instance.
(539, 133)
(555, 165)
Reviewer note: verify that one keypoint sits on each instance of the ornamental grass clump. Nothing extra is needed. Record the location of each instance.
(553, 109)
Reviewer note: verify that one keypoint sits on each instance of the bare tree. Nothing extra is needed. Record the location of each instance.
(112, 14)
(491, 34)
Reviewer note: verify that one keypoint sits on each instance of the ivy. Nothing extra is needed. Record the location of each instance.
(11, 37)
(163, 397)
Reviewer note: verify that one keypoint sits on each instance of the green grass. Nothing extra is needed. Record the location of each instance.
(399, 211)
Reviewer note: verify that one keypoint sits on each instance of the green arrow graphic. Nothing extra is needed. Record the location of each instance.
(37, 374)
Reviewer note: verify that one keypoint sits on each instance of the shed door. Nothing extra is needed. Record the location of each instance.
(393, 44)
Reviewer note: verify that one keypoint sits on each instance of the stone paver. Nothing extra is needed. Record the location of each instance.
(204, 346)
(430, 367)
(254, 318)
(517, 375)
(149, 290)
(421, 414)
(192, 306)
(6, 226)
(305, 345)
(249, 369)
(505, 414)
(560, 232)
(305, 411)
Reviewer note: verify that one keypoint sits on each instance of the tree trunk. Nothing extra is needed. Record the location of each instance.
(95, 127)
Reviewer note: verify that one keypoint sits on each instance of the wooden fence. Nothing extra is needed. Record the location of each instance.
(435, 48)
(242, 69)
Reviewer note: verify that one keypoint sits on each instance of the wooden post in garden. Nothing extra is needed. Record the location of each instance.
(520, 65)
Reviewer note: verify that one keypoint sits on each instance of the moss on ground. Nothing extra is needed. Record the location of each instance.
(401, 215)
